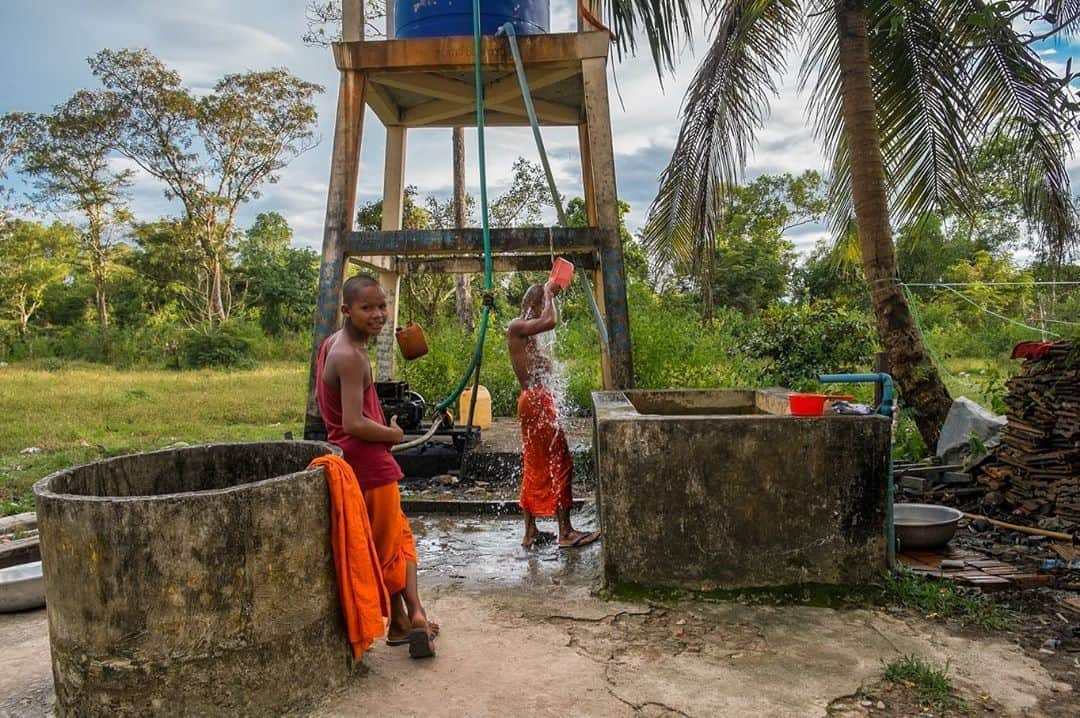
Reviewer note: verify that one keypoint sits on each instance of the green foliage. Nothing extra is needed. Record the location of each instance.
(211, 152)
(942, 599)
(277, 282)
(932, 686)
(800, 341)
(33, 257)
(908, 443)
(673, 349)
(226, 345)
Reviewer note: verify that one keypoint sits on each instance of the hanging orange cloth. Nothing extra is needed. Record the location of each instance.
(364, 600)
(545, 486)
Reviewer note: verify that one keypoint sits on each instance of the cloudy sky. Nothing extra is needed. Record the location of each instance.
(46, 44)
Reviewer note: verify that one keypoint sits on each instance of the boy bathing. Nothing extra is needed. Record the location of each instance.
(545, 488)
(355, 422)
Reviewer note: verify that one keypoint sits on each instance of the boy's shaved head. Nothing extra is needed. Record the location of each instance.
(533, 299)
(354, 285)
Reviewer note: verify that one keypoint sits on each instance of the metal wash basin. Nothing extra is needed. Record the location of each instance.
(924, 525)
(21, 587)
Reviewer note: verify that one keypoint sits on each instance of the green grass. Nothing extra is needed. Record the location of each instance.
(940, 599)
(84, 412)
(932, 686)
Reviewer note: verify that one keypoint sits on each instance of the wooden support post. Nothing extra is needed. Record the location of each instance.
(340, 206)
(597, 273)
(392, 208)
(602, 161)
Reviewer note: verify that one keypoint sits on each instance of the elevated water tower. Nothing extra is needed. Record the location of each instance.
(421, 76)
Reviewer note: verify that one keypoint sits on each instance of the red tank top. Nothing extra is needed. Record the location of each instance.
(372, 462)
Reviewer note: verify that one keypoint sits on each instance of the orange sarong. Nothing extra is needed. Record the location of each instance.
(365, 601)
(394, 541)
(545, 487)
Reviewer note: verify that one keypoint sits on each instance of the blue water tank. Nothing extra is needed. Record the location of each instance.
(444, 18)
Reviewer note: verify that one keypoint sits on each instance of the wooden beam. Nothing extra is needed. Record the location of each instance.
(392, 215)
(439, 53)
(602, 158)
(493, 118)
(380, 100)
(500, 263)
(469, 241)
(352, 20)
(340, 207)
(430, 85)
(454, 97)
(551, 113)
(501, 91)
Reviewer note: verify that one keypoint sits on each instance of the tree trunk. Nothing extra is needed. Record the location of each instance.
(912, 368)
(463, 288)
(217, 304)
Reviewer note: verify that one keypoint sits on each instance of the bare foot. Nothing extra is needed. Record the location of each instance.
(422, 636)
(537, 537)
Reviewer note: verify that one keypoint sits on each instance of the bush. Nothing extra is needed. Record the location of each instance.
(801, 341)
(227, 345)
(672, 349)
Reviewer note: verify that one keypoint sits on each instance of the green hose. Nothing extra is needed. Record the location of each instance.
(482, 333)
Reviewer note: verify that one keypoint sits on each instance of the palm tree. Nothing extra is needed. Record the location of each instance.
(901, 91)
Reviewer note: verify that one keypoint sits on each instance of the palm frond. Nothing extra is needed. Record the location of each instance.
(919, 88)
(666, 23)
(725, 105)
(1063, 16)
(821, 66)
(1019, 98)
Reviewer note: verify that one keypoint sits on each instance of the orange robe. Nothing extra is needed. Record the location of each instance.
(394, 541)
(365, 601)
(545, 487)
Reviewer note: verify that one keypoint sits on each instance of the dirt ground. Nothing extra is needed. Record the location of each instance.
(524, 634)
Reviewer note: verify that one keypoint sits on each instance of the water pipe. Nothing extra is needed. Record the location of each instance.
(526, 95)
(435, 424)
(885, 409)
(478, 82)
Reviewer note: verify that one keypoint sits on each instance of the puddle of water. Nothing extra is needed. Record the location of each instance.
(486, 552)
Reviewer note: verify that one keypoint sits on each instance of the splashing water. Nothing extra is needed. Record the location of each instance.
(558, 381)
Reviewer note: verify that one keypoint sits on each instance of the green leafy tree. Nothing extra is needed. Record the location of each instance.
(635, 262)
(413, 216)
(168, 262)
(12, 139)
(901, 93)
(32, 258)
(523, 203)
(213, 152)
(281, 281)
(752, 261)
(67, 156)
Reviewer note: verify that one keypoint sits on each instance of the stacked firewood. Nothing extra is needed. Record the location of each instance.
(1036, 470)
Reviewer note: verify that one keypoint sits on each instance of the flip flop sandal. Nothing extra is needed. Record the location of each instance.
(397, 641)
(582, 540)
(421, 644)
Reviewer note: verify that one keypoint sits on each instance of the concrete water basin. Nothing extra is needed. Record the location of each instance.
(722, 489)
(191, 582)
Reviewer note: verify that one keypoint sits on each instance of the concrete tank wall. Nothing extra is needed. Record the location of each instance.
(718, 489)
(194, 581)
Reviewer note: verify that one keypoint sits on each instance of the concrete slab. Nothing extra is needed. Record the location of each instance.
(523, 635)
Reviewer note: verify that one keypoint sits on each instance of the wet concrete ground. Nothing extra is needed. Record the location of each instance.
(524, 634)
(485, 553)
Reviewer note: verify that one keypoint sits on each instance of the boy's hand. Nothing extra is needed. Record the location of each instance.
(399, 434)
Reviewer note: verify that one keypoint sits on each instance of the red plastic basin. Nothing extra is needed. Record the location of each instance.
(812, 404)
